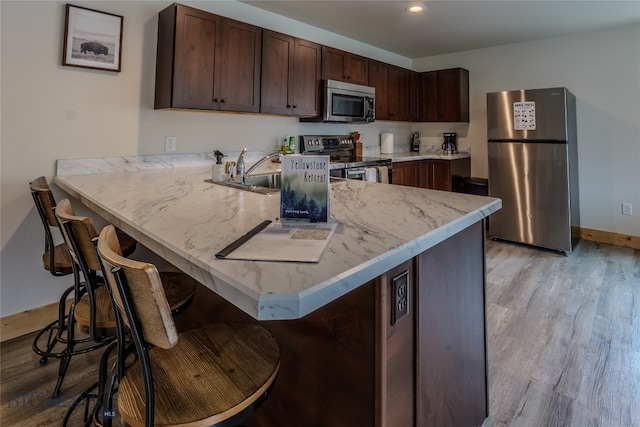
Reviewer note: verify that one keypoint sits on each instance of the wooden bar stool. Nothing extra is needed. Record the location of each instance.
(54, 255)
(92, 310)
(56, 340)
(217, 374)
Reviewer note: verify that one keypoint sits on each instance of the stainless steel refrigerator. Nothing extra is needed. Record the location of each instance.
(533, 167)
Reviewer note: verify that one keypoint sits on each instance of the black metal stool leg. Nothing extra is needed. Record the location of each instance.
(66, 358)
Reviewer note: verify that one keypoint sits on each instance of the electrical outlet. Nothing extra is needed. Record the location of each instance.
(170, 143)
(400, 297)
(627, 209)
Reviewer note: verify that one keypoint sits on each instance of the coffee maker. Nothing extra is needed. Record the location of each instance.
(450, 144)
(415, 141)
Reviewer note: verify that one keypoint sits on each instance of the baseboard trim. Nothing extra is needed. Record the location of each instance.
(26, 322)
(610, 238)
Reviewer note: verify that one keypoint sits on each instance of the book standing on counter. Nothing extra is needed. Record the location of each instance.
(304, 191)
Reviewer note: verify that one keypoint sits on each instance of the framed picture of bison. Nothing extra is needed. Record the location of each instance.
(92, 39)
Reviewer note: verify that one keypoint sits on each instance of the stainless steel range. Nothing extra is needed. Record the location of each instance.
(342, 153)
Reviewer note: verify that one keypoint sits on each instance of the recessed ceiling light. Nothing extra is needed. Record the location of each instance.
(415, 8)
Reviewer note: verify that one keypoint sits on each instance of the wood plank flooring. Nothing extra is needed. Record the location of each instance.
(563, 335)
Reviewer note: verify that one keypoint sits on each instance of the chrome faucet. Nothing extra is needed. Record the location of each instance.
(261, 161)
(240, 174)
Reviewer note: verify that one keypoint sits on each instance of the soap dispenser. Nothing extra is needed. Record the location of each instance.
(218, 173)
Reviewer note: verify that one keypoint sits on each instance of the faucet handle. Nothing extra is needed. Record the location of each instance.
(231, 167)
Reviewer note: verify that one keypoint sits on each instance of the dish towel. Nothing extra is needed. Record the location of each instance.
(383, 174)
(371, 174)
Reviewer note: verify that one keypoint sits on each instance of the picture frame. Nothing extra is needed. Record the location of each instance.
(92, 39)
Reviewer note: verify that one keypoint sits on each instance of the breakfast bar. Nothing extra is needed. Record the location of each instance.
(388, 329)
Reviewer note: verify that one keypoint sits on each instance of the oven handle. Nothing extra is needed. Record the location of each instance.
(354, 174)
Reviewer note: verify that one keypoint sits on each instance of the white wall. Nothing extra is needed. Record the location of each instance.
(602, 69)
(48, 112)
(51, 112)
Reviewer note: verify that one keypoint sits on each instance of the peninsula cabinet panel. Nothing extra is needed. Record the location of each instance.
(451, 332)
(291, 76)
(354, 362)
(207, 62)
(344, 66)
(395, 358)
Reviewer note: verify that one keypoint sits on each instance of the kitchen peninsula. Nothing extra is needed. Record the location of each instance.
(387, 330)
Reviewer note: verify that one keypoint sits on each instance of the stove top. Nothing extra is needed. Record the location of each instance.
(339, 148)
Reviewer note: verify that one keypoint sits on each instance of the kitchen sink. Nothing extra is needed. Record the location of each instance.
(271, 180)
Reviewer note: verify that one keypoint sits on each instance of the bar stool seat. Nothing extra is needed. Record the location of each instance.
(61, 257)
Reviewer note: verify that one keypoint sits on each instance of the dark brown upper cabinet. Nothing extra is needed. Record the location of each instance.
(444, 96)
(207, 62)
(344, 66)
(414, 96)
(291, 75)
(392, 91)
(398, 94)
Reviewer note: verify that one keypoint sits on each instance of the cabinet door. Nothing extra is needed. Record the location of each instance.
(290, 75)
(357, 69)
(429, 96)
(453, 104)
(379, 79)
(440, 174)
(398, 94)
(197, 65)
(404, 173)
(344, 66)
(276, 95)
(240, 71)
(422, 174)
(307, 78)
(444, 96)
(414, 96)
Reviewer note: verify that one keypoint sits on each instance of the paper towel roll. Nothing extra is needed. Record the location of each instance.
(386, 143)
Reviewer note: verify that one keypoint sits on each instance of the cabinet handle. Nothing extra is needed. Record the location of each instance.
(216, 100)
(289, 106)
(222, 100)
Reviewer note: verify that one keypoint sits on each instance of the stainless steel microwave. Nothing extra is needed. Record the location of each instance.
(346, 103)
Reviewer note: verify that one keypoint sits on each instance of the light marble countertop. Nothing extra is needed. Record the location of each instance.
(164, 202)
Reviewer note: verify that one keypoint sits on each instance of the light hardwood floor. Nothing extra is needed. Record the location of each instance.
(563, 335)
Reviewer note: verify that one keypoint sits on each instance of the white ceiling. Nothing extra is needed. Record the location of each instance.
(452, 25)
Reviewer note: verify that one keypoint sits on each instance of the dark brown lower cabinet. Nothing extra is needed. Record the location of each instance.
(405, 349)
(436, 174)
(448, 175)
